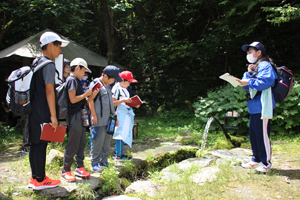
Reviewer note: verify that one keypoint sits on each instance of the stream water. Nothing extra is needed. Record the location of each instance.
(206, 132)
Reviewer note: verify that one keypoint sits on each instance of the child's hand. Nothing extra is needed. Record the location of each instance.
(128, 100)
(251, 67)
(243, 82)
(88, 92)
(94, 119)
(137, 106)
(95, 92)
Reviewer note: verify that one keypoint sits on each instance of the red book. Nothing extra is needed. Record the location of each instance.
(135, 101)
(48, 133)
(97, 86)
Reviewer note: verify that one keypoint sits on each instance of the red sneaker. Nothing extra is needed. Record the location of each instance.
(82, 173)
(67, 176)
(45, 184)
(31, 182)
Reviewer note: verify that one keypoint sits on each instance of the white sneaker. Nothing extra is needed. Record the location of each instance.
(250, 165)
(264, 168)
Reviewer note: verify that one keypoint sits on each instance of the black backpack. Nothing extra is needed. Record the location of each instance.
(63, 100)
(19, 87)
(283, 84)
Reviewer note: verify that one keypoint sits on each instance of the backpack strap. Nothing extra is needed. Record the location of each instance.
(100, 99)
(35, 66)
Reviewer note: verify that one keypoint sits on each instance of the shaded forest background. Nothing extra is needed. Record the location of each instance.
(176, 49)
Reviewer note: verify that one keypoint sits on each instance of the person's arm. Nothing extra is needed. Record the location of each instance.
(91, 98)
(244, 81)
(265, 77)
(75, 99)
(93, 112)
(118, 102)
(50, 95)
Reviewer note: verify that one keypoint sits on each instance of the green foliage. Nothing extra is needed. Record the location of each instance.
(62, 16)
(83, 191)
(128, 171)
(223, 144)
(287, 117)
(283, 13)
(111, 181)
(9, 137)
(217, 103)
(201, 153)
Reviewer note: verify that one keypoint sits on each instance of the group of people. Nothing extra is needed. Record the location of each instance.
(102, 103)
(105, 102)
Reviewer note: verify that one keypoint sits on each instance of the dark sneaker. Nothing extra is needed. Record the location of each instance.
(126, 157)
(118, 159)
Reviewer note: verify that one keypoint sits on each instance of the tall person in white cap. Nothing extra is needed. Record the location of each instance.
(43, 110)
(258, 81)
(77, 132)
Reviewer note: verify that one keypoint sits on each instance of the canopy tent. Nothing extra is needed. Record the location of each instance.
(30, 48)
(24, 52)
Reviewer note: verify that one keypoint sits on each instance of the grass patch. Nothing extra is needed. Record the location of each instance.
(231, 183)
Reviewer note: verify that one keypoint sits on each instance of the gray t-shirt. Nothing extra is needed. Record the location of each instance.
(107, 104)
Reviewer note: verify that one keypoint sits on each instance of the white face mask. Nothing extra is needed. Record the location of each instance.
(251, 58)
(84, 78)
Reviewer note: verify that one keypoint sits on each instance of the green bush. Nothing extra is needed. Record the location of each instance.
(287, 117)
(217, 103)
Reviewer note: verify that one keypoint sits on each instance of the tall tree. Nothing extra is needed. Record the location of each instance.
(25, 17)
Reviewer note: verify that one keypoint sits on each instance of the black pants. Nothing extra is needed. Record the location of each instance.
(26, 144)
(37, 158)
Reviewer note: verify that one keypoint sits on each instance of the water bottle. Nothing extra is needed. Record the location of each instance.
(85, 118)
(110, 129)
(22, 98)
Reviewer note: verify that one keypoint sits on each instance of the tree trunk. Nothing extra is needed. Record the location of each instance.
(109, 31)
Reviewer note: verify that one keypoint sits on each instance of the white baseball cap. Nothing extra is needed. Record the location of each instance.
(80, 62)
(49, 37)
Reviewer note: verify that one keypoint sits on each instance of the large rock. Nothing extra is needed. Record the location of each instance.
(169, 175)
(121, 197)
(206, 174)
(233, 154)
(188, 163)
(149, 187)
(55, 155)
(65, 188)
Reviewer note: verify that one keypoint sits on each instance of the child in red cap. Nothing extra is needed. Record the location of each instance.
(125, 115)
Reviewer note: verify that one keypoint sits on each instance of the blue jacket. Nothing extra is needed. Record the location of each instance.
(265, 78)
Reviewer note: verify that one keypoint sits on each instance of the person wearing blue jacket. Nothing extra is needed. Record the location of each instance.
(258, 81)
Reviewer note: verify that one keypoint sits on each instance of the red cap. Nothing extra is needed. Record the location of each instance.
(127, 75)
